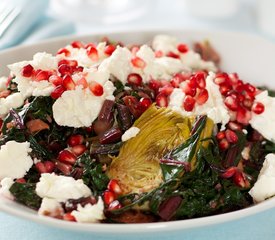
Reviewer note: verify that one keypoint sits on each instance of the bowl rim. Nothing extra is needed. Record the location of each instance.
(137, 227)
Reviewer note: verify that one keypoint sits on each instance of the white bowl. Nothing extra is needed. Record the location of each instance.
(250, 56)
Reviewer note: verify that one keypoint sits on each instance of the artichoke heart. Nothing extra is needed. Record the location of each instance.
(137, 166)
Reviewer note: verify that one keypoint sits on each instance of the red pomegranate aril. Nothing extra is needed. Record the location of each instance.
(233, 78)
(68, 82)
(176, 80)
(109, 49)
(66, 156)
(231, 136)
(166, 90)
(138, 62)
(234, 126)
(75, 140)
(145, 102)
(88, 45)
(158, 54)
(134, 79)
(96, 88)
(114, 205)
(78, 149)
(189, 103)
(173, 55)
(200, 79)
(27, 71)
(69, 217)
(65, 69)
(40, 167)
(20, 180)
(187, 89)
(250, 88)
(182, 48)
(49, 166)
(5, 93)
(114, 186)
(82, 82)
(78, 69)
(258, 108)
(231, 103)
(239, 86)
(57, 92)
(77, 44)
(220, 135)
(239, 179)
(64, 51)
(202, 97)
(108, 197)
(225, 88)
(247, 103)
(223, 144)
(221, 78)
(192, 82)
(161, 100)
(93, 54)
(229, 172)
(55, 80)
(64, 168)
(42, 75)
(243, 116)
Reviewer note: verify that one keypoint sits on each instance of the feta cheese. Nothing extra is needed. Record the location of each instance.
(165, 43)
(118, 64)
(176, 100)
(14, 100)
(3, 81)
(79, 107)
(80, 55)
(264, 187)
(50, 207)
(61, 188)
(90, 213)
(15, 161)
(264, 122)
(6, 183)
(45, 61)
(130, 133)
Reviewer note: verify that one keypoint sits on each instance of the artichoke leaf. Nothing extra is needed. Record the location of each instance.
(137, 167)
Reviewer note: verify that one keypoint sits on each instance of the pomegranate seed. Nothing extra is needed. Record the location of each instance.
(27, 71)
(78, 69)
(114, 205)
(202, 97)
(49, 166)
(173, 55)
(68, 82)
(145, 102)
(78, 149)
(20, 180)
(63, 61)
(82, 82)
(189, 103)
(231, 136)
(134, 79)
(223, 144)
(64, 168)
(166, 90)
(154, 85)
(239, 86)
(233, 78)
(258, 108)
(138, 62)
(243, 116)
(165, 83)
(40, 167)
(158, 54)
(176, 80)
(187, 89)
(234, 126)
(221, 78)
(5, 93)
(248, 103)
(96, 88)
(109, 49)
(66, 156)
(113, 186)
(64, 51)
(88, 45)
(57, 92)
(183, 48)
(42, 75)
(93, 54)
(69, 217)
(108, 197)
(65, 69)
(75, 140)
(55, 80)
(229, 172)
(200, 79)
(250, 88)
(239, 179)
(77, 44)
(225, 88)
(220, 135)
(161, 100)
(231, 103)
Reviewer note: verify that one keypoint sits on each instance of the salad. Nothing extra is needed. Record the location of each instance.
(103, 132)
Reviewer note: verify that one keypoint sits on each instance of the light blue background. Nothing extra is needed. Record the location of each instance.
(260, 226)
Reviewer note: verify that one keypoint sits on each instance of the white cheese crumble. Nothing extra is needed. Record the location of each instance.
(165, 43)
(6, 183)
(89, 213)
(264, 187)
(14, 100)
(61, 188)
(50, 207)
(79, 107)
(264, 122)
(130, 133)
(15, 161)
